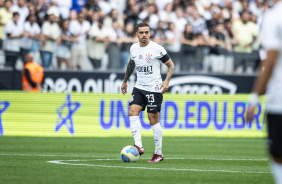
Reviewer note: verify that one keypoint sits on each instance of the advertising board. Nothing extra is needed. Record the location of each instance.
(105, 115)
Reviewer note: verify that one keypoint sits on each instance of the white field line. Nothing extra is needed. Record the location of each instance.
(107, 157)
(64, 162)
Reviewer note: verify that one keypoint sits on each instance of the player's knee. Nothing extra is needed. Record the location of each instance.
(132, 112)
(277, 159)
(153, 118)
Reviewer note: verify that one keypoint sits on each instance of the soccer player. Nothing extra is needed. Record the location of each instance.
(270, 79)
(145, 57)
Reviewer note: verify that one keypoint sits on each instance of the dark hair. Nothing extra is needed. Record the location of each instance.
(142, 25)
(62, 22)
(16, 14)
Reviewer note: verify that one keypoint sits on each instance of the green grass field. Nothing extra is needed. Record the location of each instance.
(34, 160)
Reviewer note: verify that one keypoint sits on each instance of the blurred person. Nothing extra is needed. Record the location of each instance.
(130, 3)
(79, 28)
(5, 16)
(188, 48)
(245, 6)
(133, 16)
(77, 5)
(151, 12)
(64, 7)
(158, 35)
(216, 59)
(14, 32)
(22, 9)
(105, 6)
(172, 44)
(32, 33)
(198, 23)
(32, 9)
(167, 15)
(115, 34)
(245, 33)
(51, 33)
(200, 29)
(98, 38)
(256, 8)
(114, 15)
(41, 8)
(214, 21)
(148, 91)
(73, 15)
(269, 80)
(179, 21)
(162, 3)
(189, 11)
(65, 43)
(126, 41)
(230, 41)
(54, 9)
(95, 18)
(178, 3)
(92, 5)
(32, 75)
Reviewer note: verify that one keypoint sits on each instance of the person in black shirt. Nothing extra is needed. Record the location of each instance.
(189, 45)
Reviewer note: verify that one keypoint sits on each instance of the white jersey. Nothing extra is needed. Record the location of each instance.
(147, 65)
(272, 40)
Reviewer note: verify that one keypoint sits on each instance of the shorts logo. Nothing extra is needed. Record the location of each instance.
(148, 57)
(131, 98)
(152, 109)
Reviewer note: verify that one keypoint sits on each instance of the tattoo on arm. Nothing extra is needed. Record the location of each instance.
(170, 70)
(129, 70)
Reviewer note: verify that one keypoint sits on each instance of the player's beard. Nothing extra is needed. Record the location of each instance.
(144, 40)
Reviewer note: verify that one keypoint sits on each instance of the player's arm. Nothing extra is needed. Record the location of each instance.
(170, 70)
(129, 70)
(271, 42)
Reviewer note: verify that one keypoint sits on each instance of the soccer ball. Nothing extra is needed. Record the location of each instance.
(129, 154)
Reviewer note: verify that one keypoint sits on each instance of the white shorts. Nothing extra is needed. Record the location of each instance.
(63, 51)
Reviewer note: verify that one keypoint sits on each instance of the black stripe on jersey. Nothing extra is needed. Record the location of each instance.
(165, 58)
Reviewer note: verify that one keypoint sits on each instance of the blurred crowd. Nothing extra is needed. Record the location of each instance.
(219, 36)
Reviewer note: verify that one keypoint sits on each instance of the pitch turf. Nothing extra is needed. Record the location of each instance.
(34, 160)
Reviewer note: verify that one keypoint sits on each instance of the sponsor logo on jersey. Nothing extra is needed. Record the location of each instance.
(140, 57)
(145, 69)
(148, 57)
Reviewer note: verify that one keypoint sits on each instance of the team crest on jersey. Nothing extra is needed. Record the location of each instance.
(131, 98)
(157, 87)
(148, 57)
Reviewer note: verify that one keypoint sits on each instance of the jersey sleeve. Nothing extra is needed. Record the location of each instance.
(8, 28)
(270, 33)
(162, 54)
(131, 55)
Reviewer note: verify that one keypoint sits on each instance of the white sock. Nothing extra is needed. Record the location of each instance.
(135, 127)
(158, 138)
(277, 172)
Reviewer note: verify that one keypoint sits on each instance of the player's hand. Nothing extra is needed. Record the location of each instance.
(124, 88)
(250, 113)
(164, 86)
